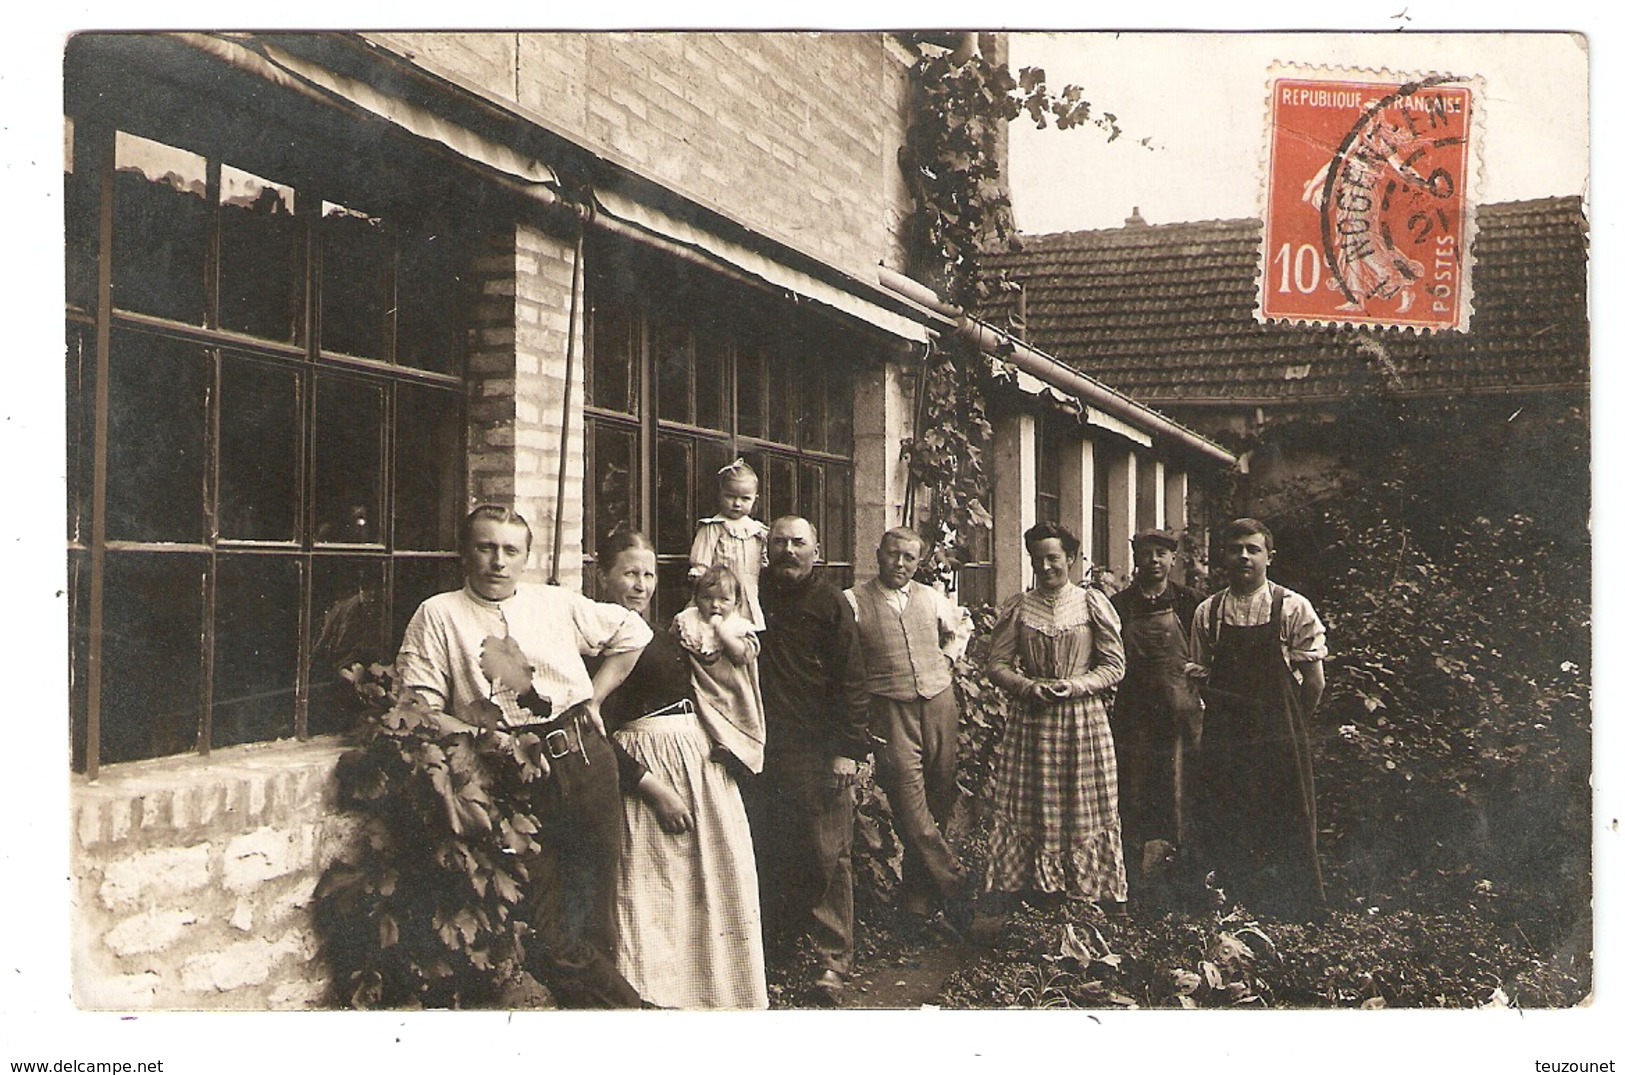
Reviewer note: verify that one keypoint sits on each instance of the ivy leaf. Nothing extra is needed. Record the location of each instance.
(505, 664)
(505, 887)
(388, 932)
(482, 713)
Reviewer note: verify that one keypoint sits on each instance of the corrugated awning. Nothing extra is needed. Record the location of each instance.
(282, 68)
(757, 265)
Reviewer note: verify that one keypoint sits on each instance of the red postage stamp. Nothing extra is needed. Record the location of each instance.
(1368, 206)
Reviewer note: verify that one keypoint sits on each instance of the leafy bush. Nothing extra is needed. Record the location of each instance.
(983, 709)
(424, 911)
(1458, 685)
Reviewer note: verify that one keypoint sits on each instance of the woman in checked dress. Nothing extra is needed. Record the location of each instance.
(1056, 649)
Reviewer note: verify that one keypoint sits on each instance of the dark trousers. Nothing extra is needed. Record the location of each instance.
(802, 830)
(915, 769)
(574, 877)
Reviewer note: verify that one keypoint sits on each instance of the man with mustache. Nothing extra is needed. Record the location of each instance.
(912, 635)
(816, 703)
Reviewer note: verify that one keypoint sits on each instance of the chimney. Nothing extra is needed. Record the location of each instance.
(1134, 220)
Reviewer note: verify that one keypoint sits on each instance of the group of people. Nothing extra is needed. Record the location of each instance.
(1158, 734)
(697, 801)
(697, 796)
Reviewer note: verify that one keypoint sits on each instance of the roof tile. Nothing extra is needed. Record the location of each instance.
(1165, 312)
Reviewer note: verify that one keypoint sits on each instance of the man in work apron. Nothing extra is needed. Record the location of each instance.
(1157, 719)
(1257, 793)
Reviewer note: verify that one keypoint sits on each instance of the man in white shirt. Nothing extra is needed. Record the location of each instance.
(1258, 649)
(464, 652)
(911, 637)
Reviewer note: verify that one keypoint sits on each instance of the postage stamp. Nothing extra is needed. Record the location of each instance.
(1369, 184)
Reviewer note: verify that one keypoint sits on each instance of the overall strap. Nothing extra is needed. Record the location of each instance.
(1277, 621)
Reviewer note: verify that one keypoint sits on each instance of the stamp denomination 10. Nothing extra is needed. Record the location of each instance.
(1367, 216)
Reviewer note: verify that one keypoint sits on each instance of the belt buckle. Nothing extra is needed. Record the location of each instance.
(564, 737)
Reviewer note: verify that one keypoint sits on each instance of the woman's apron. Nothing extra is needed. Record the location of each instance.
(1258, 790)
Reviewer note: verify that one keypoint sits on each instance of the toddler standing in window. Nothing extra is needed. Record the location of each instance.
(721, 646)
(732, 538)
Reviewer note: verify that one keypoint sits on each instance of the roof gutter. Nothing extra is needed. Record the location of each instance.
(1054, 372)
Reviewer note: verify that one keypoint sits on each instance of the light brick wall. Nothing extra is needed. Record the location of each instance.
(516, 390)
(795, 135)
(192, 879)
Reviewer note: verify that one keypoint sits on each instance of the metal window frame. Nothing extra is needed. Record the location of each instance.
(94, 144)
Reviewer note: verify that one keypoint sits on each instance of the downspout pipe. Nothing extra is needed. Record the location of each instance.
(1052, 371)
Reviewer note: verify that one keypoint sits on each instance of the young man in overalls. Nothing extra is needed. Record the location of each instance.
(1258, 648)
(1157, 718)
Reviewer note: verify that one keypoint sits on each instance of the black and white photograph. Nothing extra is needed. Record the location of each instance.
(1073, 539)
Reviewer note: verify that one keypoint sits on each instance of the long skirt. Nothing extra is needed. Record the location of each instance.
(688, 912)
(1055, 825)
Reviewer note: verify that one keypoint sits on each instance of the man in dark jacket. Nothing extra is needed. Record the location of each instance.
(1157, 719)
(816, 704)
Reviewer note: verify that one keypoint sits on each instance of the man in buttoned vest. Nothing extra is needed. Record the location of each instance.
(911, 637)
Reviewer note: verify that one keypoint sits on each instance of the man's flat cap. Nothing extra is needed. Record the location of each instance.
(1156, 537)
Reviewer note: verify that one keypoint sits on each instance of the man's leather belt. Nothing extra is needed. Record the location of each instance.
(562, 735)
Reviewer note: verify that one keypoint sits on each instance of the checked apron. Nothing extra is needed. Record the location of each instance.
(1257, 803)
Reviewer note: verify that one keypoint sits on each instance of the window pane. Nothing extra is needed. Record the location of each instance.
(416, 580)
(78, 656)
(752, 374)
(259, 450)
(155, 425)
(347, 621)
(614, 358)
(1101, 544)
(814, 422)
(349, 460)
(674, 373)
(675, 518)
(711, 399)
(356, 283)
(152, 621)
(838, 513)
(810, 503)
(428, 467)
(781, 400)
(713, 456)
(671, 592)
(81, 181)
(838, 410)
(80, 415)
(1049, 457)
(160, 229)
(782, 496)
(429, 315)
(1147, 490)
(261, 256)
(256, 648)
(613, 465)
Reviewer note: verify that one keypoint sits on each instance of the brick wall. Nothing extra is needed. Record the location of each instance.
(516, 390)
(796, 135)
(192, 879)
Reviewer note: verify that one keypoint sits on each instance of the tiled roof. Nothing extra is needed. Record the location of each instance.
(1165, 314)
